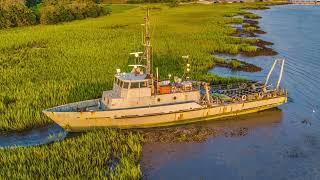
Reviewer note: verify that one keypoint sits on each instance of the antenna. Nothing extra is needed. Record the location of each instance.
(147, 44)
(136, 54)
(137, 57)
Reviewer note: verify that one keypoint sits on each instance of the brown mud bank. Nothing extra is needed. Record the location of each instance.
(248, 28)
(262, 46)
(190, 134)
(251, 22)
(243, 66)
(261, 51)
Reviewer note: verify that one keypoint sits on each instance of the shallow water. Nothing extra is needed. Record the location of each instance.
(33, 137)
(281, 144)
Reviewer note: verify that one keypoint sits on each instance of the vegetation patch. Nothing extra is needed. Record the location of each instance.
(265, 51)
(262, 49)
(119, 8)
(258, 7)
(251, 16)
(250, 29)
(103, 154)
(237, 65)
(15, 14)
(251, 22)
(116, 26)
(53, 11)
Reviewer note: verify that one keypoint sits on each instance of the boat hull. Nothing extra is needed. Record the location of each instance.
(80, 121)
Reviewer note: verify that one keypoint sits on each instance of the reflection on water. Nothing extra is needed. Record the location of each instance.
(201, 131)
(157, 155)
(270, 117)
(279, 144)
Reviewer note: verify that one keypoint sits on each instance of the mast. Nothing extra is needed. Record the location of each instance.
(147, 44)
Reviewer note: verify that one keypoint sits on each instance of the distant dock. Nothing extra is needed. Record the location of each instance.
(310, 2)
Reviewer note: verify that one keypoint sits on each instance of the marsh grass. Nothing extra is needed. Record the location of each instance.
(98, 154)
(250, 29)
(251, 16)
(246, 25)
(234, 64)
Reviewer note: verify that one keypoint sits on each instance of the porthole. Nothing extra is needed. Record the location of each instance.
(174, 98)
(158, 99)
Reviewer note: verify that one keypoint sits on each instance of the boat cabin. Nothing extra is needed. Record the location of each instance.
(132, 90)
(139, 89)
(130, 85)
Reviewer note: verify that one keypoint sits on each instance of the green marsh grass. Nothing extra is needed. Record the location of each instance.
(100, 154)
(246, 25)
(251, 16)
(234, 64)
(250, 29)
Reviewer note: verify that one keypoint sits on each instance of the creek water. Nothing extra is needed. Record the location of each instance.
(281, 143)
(33, 137)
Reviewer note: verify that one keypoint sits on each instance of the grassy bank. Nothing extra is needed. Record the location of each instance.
(96, 155)
(44, 66)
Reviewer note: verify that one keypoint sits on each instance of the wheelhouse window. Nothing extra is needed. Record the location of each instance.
(126, 85)
(134, 85)
(143, 84)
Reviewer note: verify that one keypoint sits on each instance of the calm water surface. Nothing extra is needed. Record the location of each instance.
(281, 143)
(33, 137)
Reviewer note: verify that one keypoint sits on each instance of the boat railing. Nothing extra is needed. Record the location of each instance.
(172, 88)
(77, 107)
(246, 95)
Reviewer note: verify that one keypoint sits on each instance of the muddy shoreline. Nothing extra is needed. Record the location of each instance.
(249, 29)
(245, 67)
(190, 134)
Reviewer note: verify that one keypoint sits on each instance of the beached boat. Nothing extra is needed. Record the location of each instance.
(139, 99)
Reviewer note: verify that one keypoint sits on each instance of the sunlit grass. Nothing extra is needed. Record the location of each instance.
(96, 155)
(250, 29)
